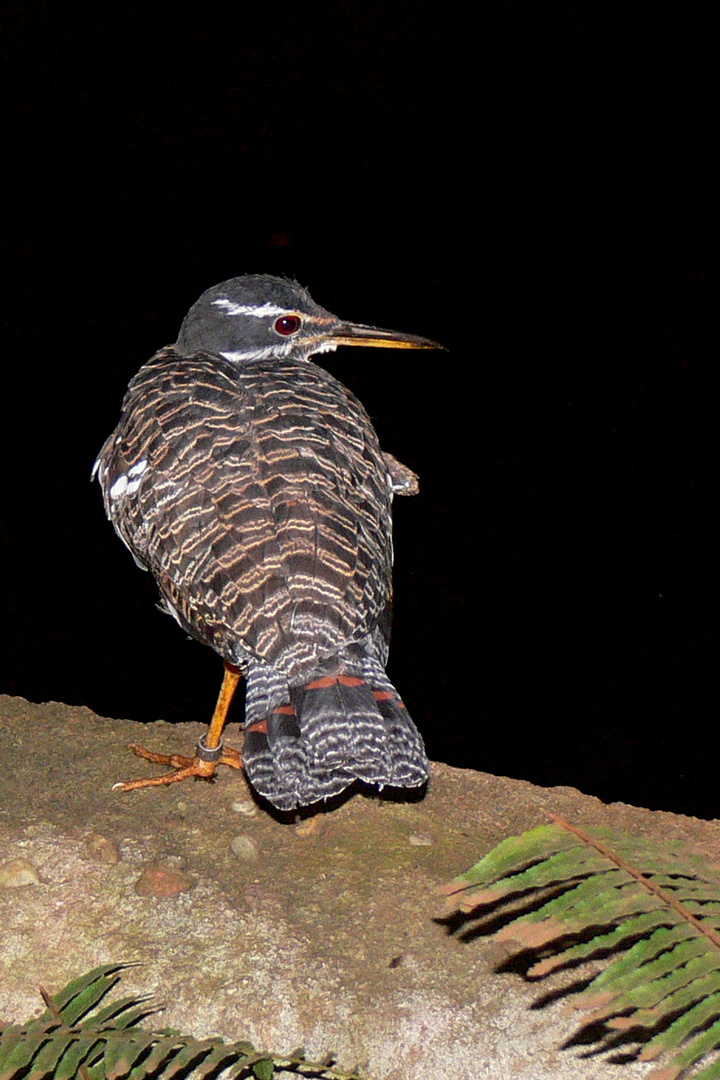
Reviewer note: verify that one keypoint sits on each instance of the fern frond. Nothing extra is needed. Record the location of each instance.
(651, 911)
(76, 1038)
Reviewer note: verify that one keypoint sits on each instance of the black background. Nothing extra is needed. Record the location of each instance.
(527, 183)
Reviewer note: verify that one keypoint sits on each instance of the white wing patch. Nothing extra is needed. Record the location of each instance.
(128, 483)
(119, 487)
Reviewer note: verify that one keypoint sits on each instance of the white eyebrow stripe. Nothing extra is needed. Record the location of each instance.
(265, 310)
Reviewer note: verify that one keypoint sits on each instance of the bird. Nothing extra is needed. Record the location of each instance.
(251, 484)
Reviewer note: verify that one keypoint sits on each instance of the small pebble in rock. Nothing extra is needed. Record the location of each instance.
(312, 826)
(419, 839)
(162, 881)
(172, 862)
(102, 849)
(245, 848)
(17, 872)
(245, 807)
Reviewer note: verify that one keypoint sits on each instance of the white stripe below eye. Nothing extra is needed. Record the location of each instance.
(279, 351)
(257, 354)
(257, 312)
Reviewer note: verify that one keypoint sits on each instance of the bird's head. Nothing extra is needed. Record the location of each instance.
(258, 317)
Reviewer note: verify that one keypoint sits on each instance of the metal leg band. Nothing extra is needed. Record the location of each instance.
(206, 754)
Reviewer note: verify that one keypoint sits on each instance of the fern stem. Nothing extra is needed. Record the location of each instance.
(655, 890)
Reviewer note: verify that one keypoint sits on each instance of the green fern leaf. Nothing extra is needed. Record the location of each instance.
(216, 1058)
(75, 1052)
(75, 1037)
(189, 1055)
(120, 1014)
(264, 1070)
(163, 1051)
(652, 913)
(122, 1054)
(10, 1037)
(83, 994)
(23, 1050)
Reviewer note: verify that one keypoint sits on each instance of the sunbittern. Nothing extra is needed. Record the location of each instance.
(252, 485)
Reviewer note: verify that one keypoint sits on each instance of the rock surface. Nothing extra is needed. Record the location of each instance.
(321, 932)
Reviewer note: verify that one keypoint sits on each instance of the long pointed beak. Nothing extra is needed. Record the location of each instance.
(374, 337)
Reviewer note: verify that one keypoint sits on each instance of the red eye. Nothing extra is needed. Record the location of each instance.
(288, 324)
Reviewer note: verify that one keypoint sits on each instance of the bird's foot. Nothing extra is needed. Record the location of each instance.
(203, 764)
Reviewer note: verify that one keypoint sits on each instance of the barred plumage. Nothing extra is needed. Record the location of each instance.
(251, 484)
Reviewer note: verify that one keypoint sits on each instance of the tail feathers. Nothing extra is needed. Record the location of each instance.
(312, 742)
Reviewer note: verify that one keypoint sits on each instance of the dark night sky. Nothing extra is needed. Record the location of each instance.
(529, 184)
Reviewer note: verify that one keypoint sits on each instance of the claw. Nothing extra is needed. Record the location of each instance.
(182, 767)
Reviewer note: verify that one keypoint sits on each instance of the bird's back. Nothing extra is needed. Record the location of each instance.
(259, 498)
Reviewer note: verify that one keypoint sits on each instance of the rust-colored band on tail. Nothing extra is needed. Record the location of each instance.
(385, 695)
(330, 680)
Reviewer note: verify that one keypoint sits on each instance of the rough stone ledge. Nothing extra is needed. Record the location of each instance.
(321, 933)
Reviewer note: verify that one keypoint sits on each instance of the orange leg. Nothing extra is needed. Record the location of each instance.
(209, 754)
